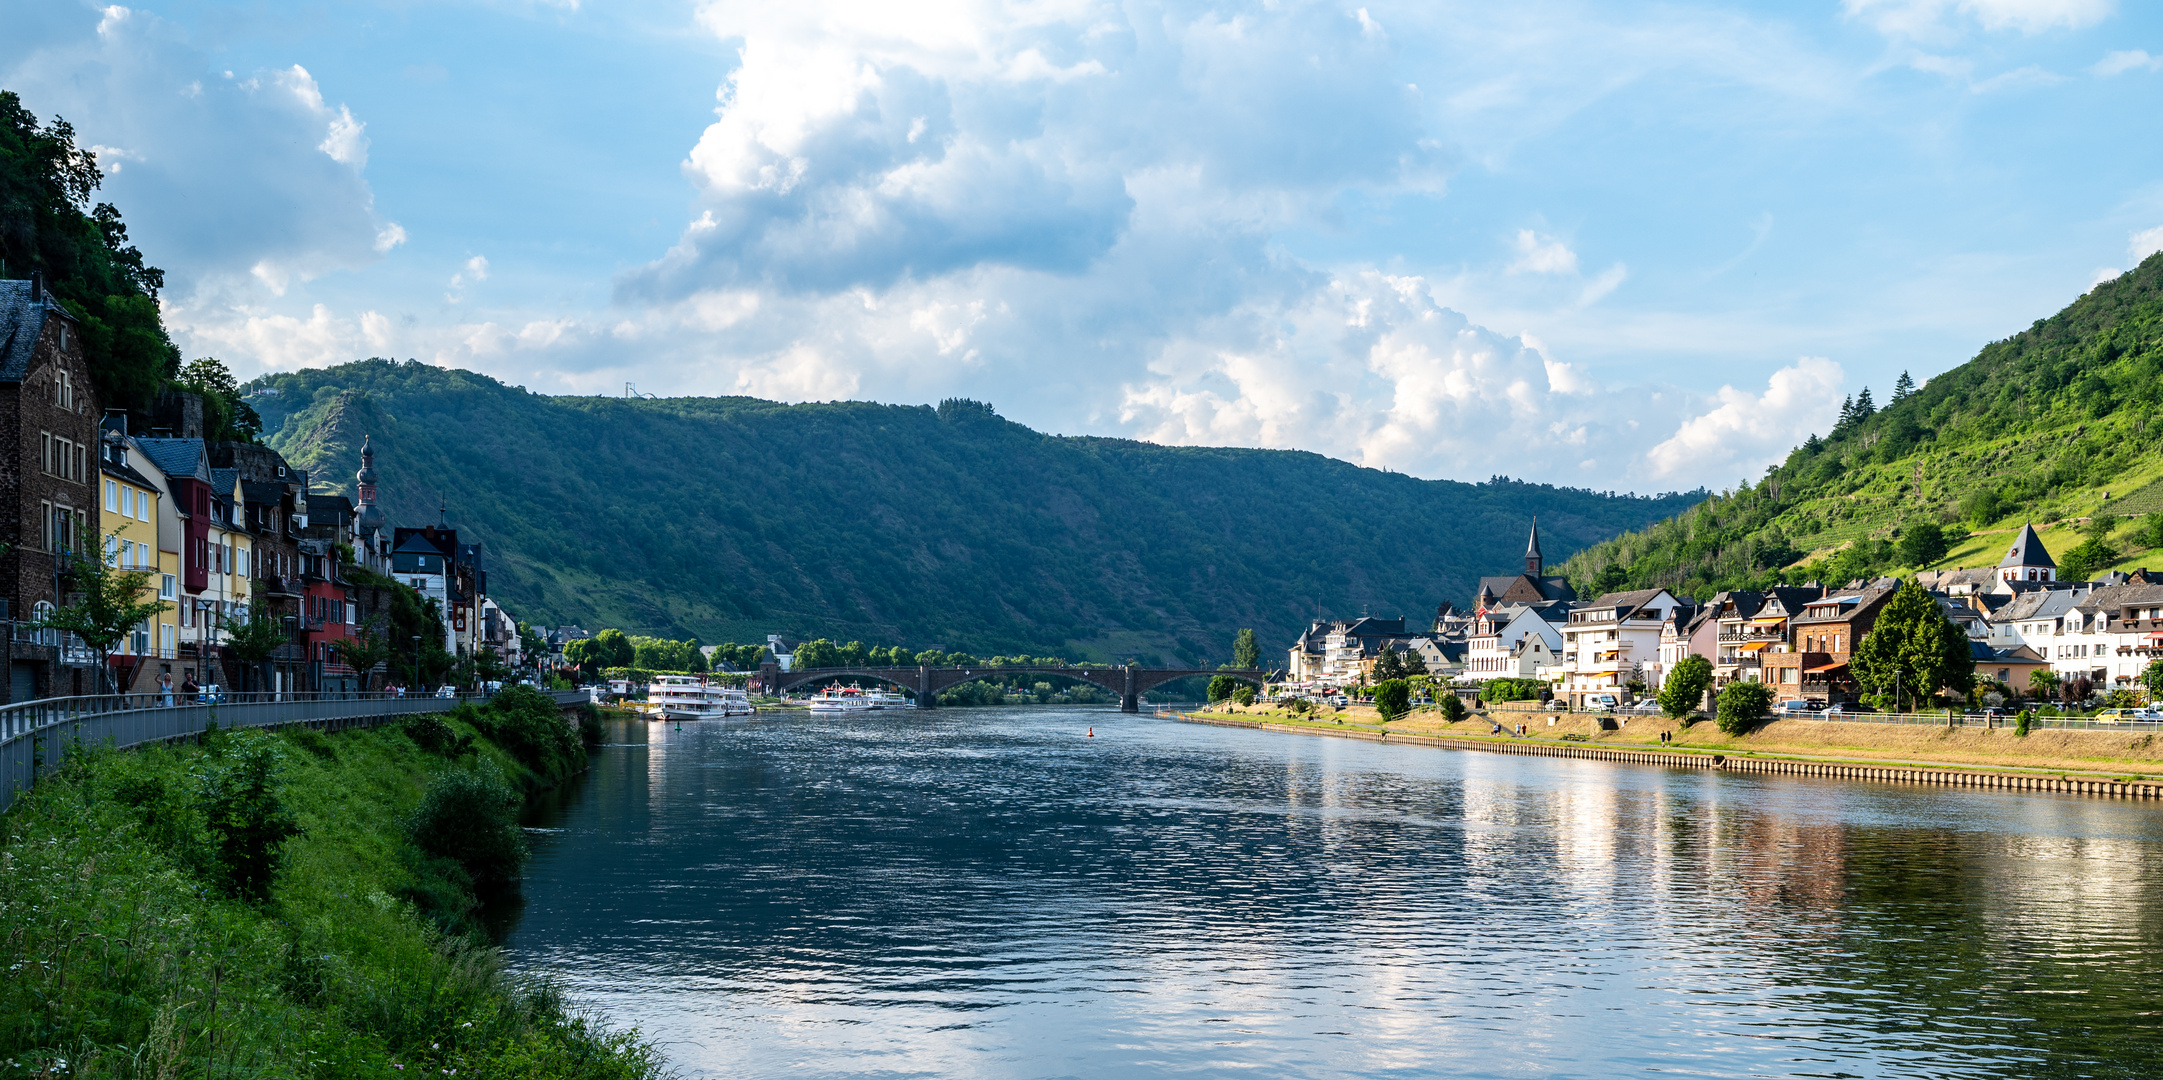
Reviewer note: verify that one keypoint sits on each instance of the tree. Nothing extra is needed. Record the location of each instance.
(1414, 663)
(1221, 687)
(1685, 688)
(114, 602)
(1392, 698)
(367, 647)
(818, 653)
(612, 649)
(1246, 652)
(1389, 665)
(2152, 678)
(226, 416)
(1912, 649)
(254, 639)
(1864, 410)
(1923, 544)
(1453, 707)
(2086, 559)
(1903, 389)
(2043, 684)
(2151, 530)
(1742, 704)
(240, 795)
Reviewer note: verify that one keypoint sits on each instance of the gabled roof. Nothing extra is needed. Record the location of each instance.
(416, 544)
(1627, 600)
(2027, 550)
(22, 322)
(223, 481)
(126, 472)
(266, 492)
(181, 459)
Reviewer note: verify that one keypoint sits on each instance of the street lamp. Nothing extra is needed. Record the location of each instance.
(416, 659)
(1896, 689)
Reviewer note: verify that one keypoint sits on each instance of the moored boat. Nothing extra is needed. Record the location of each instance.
(685, 697)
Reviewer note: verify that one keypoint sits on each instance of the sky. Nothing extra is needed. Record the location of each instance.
(1619, 246)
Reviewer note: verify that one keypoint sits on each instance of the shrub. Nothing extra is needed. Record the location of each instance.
(430, 733)
(1743, 704)
(1512, 689)
(239, 795)
(1244, 695)
(1392, 698)
(589, 725)
(1453, 707)
(1685, 686)
(470, 817)
(1221, 687)
(2023, 722)
(530, 727)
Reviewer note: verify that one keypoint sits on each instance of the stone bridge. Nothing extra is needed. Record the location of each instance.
(1130, 683)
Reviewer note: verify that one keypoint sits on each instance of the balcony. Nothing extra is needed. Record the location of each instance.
(281, 586)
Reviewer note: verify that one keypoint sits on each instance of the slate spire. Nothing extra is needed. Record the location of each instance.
(1533, 562)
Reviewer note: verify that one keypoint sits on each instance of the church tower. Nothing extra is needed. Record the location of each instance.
(367, 517)
(1534, 564)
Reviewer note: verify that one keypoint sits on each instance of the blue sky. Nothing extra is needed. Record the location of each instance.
(1633, 246)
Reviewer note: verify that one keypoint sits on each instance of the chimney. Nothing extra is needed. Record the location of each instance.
(37, 286)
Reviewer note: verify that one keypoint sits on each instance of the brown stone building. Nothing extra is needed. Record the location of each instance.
(1824, 636)
(48, 484)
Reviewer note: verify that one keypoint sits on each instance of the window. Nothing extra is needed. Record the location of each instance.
(63, 389)
(167, 587)
(46, 440)
(112, 551)
(112, 497)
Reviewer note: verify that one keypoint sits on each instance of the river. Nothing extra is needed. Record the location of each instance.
(993, 893)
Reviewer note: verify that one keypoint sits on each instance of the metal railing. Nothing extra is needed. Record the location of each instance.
(2062, 723)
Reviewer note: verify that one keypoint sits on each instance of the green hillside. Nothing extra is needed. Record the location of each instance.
(2049, 425)
(729, 518)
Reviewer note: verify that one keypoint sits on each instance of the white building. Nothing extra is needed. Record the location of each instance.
(1606, 641)
(1495, 646)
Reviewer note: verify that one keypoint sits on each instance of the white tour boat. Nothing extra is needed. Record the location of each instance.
(839, 699)
(684, 697)
(886, 699)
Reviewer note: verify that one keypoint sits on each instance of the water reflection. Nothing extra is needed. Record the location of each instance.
(992, 894)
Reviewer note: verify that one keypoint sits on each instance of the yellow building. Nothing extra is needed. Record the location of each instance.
(230, 551)
(131, 498)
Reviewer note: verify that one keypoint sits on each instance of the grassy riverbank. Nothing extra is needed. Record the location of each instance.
(2099, 753)
(134, 948)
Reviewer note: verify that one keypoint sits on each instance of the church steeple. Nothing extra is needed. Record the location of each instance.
(1534, 564)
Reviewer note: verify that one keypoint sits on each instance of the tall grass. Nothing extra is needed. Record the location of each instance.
(129, 950)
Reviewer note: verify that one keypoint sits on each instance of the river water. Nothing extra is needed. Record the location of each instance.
(992, 893)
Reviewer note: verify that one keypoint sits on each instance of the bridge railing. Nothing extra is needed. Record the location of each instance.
(36, 736)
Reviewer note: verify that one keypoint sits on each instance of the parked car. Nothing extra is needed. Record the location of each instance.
(1647, 707)
(1601, 703)
(211, 694)
(1795, 708)
(1847, 708)
(2117, 716)
(446, 690)
(1991, 714)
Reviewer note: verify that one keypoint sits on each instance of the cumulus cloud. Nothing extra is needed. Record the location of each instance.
(1538, 254)
(256, 177)
(2145, 243)
(1746, 431)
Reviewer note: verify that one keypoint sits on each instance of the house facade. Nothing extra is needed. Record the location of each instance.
(49, 485)
(1605, 642)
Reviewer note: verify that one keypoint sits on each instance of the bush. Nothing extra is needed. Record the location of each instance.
(1743, 704)
(430, 733)
(1244, 695)
(589, 725)
(1512, 689)
(239, 795)
(530, 727)
(470, 817)
(1685, 686)
(1392, 698)
(1221, 687)
(2023, 722)
(1453, 707)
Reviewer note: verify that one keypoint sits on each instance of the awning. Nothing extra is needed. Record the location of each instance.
(1827, 669)
(1753, 646)
(1768, 620)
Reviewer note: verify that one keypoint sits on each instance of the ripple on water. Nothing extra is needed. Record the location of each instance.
(983, 893)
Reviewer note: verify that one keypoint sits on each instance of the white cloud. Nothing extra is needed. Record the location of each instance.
(239, 187)
(2120, 62)
(1936, 18)
(1538, 254)
(1746, 432)
(2145, 243)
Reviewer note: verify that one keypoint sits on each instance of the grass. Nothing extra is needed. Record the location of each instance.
(2100, 753)
(125, 961)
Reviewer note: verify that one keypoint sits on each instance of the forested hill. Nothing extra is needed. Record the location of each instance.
(729, 518)
(2049, 425)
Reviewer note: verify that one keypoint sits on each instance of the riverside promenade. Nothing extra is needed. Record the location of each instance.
(2098, 784)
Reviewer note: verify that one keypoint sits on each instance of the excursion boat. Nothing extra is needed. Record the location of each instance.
(839, 699)
(682, 697)
(886, 699)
